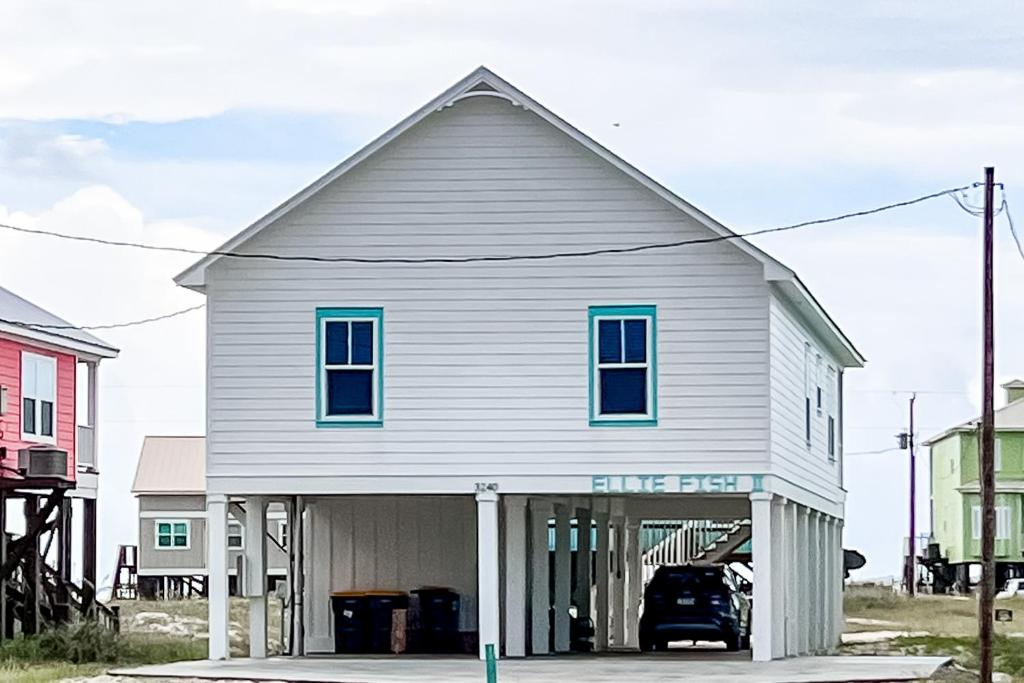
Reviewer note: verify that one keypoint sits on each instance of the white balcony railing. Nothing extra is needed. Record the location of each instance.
(86, 448)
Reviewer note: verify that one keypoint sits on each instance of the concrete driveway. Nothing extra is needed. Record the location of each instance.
(674, 667)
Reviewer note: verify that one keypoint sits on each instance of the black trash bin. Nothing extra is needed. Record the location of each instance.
(379, 606)
(439, 620)
(350, 622)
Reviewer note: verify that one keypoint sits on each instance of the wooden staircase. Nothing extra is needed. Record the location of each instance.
(126, 574)
(36, 590)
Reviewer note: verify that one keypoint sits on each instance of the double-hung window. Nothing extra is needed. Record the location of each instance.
(38, 398)
(172, 534)
(349, 348)
(623, 366)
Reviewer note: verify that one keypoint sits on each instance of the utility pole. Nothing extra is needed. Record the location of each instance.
(986, 453)
(912, 583)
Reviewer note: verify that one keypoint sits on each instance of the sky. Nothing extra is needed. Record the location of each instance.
(181, 123)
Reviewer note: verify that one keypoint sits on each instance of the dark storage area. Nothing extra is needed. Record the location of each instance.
(381, 622)
(379, 607)
(438, 630)
(350, 622)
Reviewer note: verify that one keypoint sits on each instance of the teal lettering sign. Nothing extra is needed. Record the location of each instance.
(676, 483)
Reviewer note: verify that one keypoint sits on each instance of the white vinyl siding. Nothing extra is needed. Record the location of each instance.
(486, 363)
(794, 352)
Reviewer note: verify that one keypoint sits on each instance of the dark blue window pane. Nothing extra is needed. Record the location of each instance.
(350, 392)
(636, 340)
(336, 343)
(623, 391)
(362, 343)
(609, 341)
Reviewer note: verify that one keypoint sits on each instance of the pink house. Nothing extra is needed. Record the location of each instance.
(48, 454)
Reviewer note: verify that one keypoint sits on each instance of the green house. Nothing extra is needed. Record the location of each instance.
(955, 499)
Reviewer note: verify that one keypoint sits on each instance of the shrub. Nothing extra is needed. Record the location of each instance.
(84, 642)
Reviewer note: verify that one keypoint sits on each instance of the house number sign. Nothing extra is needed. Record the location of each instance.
(677, 483)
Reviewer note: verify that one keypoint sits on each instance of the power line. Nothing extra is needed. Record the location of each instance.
(1005, 208)
(878, 452)
(110, 326)
(487, 259)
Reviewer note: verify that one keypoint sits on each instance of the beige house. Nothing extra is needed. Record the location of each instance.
(170, 483)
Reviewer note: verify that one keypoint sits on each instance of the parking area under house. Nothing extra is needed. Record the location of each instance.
(517, 593)
(678, 667)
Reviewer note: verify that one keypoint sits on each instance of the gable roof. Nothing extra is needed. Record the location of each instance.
(171, 465)
(1009, 418)
(483, 82)
(19, 316)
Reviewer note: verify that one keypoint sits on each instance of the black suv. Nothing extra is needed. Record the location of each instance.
(695, 602)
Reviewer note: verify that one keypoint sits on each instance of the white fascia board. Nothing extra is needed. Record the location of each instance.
(57, 342)
(792, 293)
(194, 276)
(172, 571)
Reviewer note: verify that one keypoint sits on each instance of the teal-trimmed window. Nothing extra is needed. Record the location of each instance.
(350, 367)
(172, 534)
(623, 366)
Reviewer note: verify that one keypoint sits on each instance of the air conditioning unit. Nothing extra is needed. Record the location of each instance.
(43, 462)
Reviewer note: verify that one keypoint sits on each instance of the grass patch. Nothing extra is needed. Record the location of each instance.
(86, 649)
(1008, 654)
(940, 615)
(23, 672)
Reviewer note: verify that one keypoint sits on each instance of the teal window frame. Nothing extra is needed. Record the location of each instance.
(323, 316)
(635, 312)
(175, 529)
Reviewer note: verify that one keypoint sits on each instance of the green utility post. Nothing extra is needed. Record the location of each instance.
(492, 664)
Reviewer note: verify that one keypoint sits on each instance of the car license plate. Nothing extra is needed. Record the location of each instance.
(686, 601)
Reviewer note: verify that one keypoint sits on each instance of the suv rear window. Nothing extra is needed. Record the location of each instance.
(690, 578)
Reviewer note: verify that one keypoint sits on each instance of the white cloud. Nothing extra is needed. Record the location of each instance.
(156, 385)
(789, 84)
(34, 151)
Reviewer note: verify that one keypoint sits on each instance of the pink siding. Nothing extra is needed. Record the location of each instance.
(10, 424)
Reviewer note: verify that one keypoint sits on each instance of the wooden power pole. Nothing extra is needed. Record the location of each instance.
(987, 452)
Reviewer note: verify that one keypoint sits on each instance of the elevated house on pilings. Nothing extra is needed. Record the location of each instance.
(49, 464)
(426, 423)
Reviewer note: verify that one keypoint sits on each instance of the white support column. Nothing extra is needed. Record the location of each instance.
(297, 537)
(583, 562)
(634, 583)
(618, 580)
(602, 576)
(563, 577)
(761, 534)
(803, 577)
(515, 576)
(839, 579)
(488, 580)
(779, 579)
(792, 581)
(255, 584)
(540, 591)
(814, 581)
(828, 577)
(217, 581)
